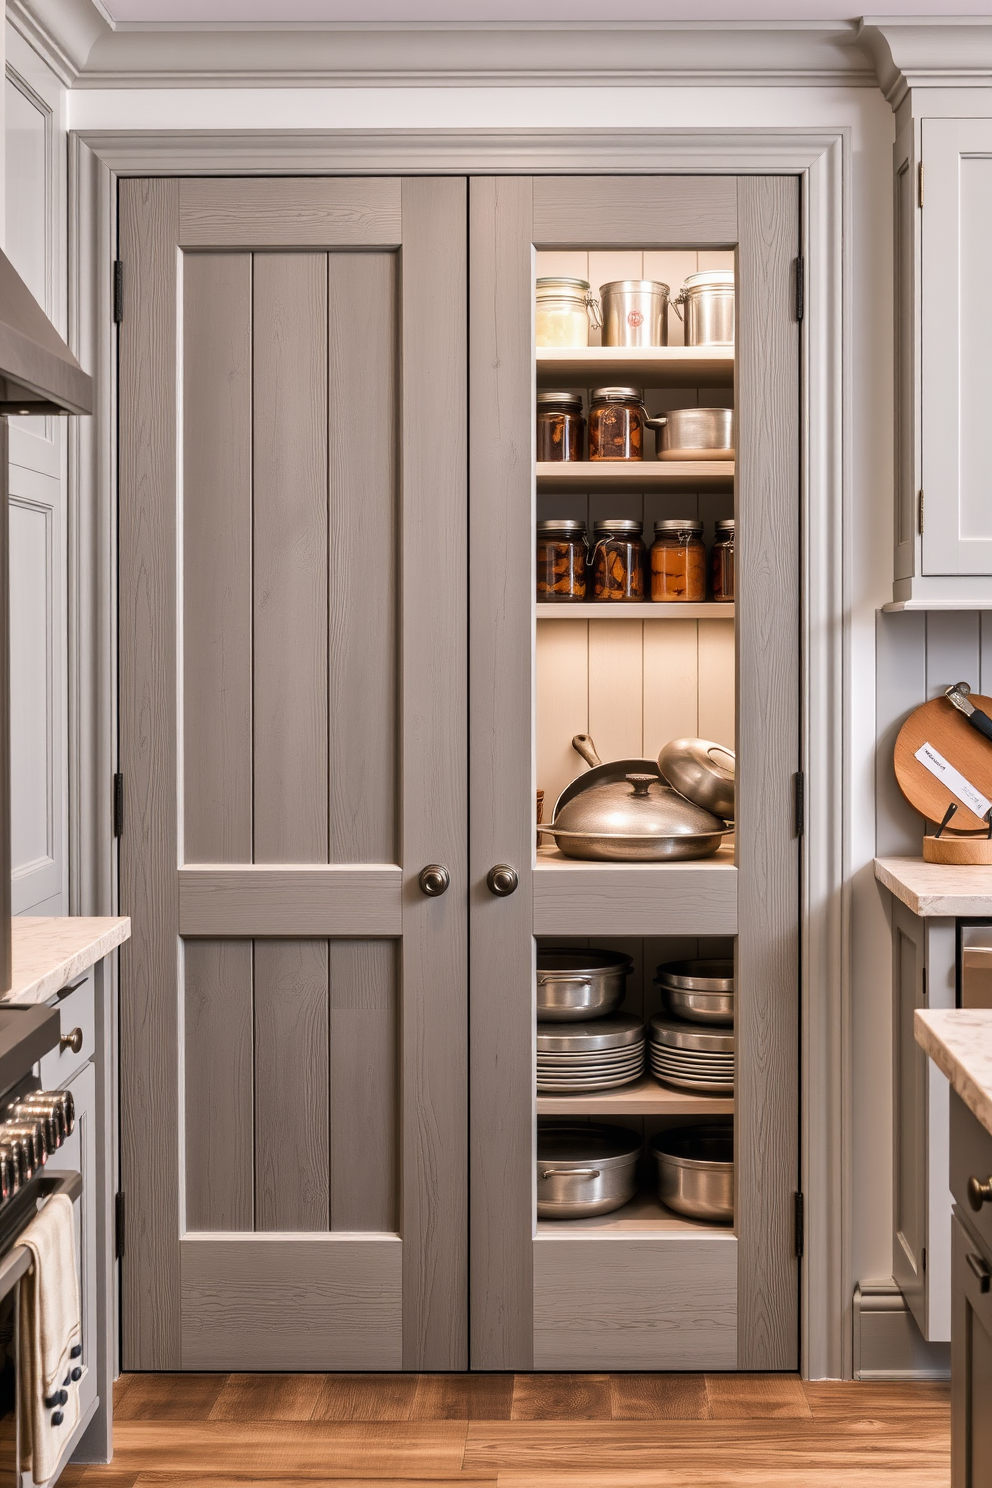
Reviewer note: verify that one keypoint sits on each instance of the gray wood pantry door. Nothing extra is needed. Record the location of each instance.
(293, 1006)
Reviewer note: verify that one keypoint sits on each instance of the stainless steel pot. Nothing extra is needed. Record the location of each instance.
(585, 1170)
(635, 820)
(635, 312)
(696, 1172)
(703, 772)
(694, 434)
(599, 774)
(701, 991)
(708, 298)
(574, 984)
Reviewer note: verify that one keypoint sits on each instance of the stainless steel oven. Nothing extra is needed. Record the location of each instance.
(34, 1125)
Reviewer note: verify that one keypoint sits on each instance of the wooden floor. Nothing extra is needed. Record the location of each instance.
(523, 1431)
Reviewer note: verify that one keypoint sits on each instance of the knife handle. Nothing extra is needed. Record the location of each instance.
(982, 722)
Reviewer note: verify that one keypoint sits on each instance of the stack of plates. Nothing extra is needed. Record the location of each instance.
(689, 1057)
(595, 1055)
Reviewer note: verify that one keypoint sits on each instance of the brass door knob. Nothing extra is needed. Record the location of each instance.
(979, 1193)
(73, 1041)
(501, 880)
(434, 880)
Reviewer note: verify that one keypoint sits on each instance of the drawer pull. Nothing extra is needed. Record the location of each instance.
(73, 1041)
(980, 1269)
(979, 1193)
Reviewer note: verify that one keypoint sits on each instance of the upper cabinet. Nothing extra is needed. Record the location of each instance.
(938, 77)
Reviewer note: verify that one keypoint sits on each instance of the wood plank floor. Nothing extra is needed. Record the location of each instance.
(522, 1431)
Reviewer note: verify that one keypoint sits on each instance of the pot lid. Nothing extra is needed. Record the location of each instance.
(556, 963)
(598, 1033)
(580, 1144)
(637, 806)
(710, 975)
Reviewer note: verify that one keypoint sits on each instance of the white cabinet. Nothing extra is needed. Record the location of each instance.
(923, 976)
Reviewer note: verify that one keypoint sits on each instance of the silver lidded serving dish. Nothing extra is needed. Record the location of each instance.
(702, 771)
(577, 983)
(700, 991)
(696, 1171)
(635, 820)
(585, 1169)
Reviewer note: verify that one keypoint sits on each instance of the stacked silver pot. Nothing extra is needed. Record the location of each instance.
(692, 1042)
(583, 1043)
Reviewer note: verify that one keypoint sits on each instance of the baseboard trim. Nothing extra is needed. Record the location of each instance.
(888, 1345)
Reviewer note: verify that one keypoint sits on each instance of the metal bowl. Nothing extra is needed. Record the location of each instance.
(583, 1170)
(696, 1172)
(702, 771)
(700, 991)
(579, 983)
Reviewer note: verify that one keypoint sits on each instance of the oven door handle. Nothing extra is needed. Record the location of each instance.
(17, 1262)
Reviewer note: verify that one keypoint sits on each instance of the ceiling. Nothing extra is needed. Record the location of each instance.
(288, 12)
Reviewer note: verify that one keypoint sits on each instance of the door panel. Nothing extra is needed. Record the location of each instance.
(315, 332)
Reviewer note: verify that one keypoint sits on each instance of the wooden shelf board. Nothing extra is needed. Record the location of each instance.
(644, 1215)
(647, 366)
(635, 475)
(644, 1097)
(632, 611)
(697, 897)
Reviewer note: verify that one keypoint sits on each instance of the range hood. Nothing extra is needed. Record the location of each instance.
(38, 372)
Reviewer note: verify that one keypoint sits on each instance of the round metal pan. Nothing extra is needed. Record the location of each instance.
(605, 1033)
(678, 1035)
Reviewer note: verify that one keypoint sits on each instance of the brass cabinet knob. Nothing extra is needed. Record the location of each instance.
(502, 880)
(434, 880)
(73, 1041)
(979, 1193)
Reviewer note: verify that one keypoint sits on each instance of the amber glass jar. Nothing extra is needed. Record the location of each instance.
(561, 562)
(618, 561)
(722, 562)
(616, 424)
(678, 561)
(560, 426)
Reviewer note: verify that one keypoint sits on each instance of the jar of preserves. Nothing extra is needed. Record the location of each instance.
(561, 561)
(618, 561)
(565, 308)
(722, 562)
(678, 561)
(616, 424)
(560, 426)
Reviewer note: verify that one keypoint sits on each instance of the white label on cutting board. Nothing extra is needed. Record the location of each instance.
(953, 779)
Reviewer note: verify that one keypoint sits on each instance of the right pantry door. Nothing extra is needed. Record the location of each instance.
(643, 1287)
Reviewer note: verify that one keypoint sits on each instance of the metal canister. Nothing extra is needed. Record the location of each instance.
(708, 300)
(635, 312)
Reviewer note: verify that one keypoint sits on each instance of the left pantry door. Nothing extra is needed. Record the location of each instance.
(292, 394)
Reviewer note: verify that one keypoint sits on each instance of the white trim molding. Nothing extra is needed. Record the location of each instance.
(928, 52)
(822, 159)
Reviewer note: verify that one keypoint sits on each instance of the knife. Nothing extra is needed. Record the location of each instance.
(958, 696)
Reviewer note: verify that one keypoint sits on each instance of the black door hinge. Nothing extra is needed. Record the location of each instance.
(923, 1258)
(800, 1225)
(118, 805)
(118, 291)
(799, 786)
(800, 288)
(118, 1226)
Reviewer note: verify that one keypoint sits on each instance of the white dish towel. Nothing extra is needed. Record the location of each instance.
(49, 1333)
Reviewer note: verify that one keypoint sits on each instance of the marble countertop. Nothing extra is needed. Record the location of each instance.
(47, 952)
(959, 1041)
(933, 889)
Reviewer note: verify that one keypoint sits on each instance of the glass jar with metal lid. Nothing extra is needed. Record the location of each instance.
(616, 424)
(635, 312)
(561, 561)
(708, 298)
(565, 308)
(560, 426)
(618, 560)
(678, 561)
(722, 561)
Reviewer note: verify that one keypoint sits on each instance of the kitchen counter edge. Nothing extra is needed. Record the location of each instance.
(49, 951)
(959, 1041)
(931, 890)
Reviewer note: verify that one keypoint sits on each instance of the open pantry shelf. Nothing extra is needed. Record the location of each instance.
(643, 1215)
(613, 610)
(645, 366)
(644, 1097)
(567, 476)
(677, 898)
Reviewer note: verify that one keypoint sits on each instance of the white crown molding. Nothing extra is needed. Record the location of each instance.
(90, 51)
(928, 52)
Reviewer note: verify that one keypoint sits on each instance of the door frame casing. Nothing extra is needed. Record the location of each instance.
(822, 158)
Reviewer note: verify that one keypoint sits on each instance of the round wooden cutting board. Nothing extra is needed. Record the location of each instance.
(939, 723)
